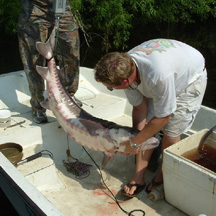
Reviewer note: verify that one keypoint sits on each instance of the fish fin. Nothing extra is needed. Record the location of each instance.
(91, 126)
(106, 159)
(45, 104)
(43, 71)
(46, 49)
(150, 143)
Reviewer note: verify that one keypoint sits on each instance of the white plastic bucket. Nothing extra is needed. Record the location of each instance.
(5, 118)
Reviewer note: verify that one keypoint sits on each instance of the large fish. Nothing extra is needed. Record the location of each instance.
(85, 129)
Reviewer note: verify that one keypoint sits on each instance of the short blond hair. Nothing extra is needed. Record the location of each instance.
(113, 68)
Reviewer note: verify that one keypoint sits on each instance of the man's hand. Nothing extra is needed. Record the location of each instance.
(128, 149)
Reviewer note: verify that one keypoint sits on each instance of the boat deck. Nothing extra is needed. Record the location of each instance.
(68, 193)
(73, 195)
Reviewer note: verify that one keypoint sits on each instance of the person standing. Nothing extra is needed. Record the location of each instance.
(36, 22)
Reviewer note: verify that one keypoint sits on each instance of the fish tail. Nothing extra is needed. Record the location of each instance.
(43, 71)
(46, 49)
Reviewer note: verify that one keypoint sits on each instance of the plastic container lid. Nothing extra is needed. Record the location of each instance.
(5, 118)
(4, 115)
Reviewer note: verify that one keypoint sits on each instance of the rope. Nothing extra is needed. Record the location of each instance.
(53, 56)
(79, 169)
(58, 45)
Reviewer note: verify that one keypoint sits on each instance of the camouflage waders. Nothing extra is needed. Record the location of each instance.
(36, 22)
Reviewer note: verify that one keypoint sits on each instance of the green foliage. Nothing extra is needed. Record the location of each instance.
(112, 21)
(9, 12)
(109, 19)
(185, 11)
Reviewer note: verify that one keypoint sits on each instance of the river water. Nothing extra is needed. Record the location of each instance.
(201, 36)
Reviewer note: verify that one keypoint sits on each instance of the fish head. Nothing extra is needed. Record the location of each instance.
(120, 135)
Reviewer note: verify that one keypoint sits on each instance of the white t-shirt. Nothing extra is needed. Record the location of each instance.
(166, 68)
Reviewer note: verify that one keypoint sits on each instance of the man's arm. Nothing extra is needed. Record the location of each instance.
(147, 130)
(139, 115)
(154, 125)
(139, 121)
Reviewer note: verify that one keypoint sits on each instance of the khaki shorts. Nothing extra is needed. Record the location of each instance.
(188, 105)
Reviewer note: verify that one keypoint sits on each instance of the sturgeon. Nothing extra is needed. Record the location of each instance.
(87, 130)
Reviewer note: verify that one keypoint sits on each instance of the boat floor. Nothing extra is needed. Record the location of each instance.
(70, 194)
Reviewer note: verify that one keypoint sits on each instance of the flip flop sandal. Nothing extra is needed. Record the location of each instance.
(139, 188)
(154, 184)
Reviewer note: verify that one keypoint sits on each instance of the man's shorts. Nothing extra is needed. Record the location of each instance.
(188, 105)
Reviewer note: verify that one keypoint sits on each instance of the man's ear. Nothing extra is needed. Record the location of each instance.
(124, 81)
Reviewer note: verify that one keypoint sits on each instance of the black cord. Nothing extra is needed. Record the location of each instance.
(117, 202)
(113, 196)
(202, 141)
(46, 152)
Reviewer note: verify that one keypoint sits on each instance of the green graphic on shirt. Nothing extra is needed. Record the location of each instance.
(160, 45)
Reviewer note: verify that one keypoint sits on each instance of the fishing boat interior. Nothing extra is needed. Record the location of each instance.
(51, 174)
